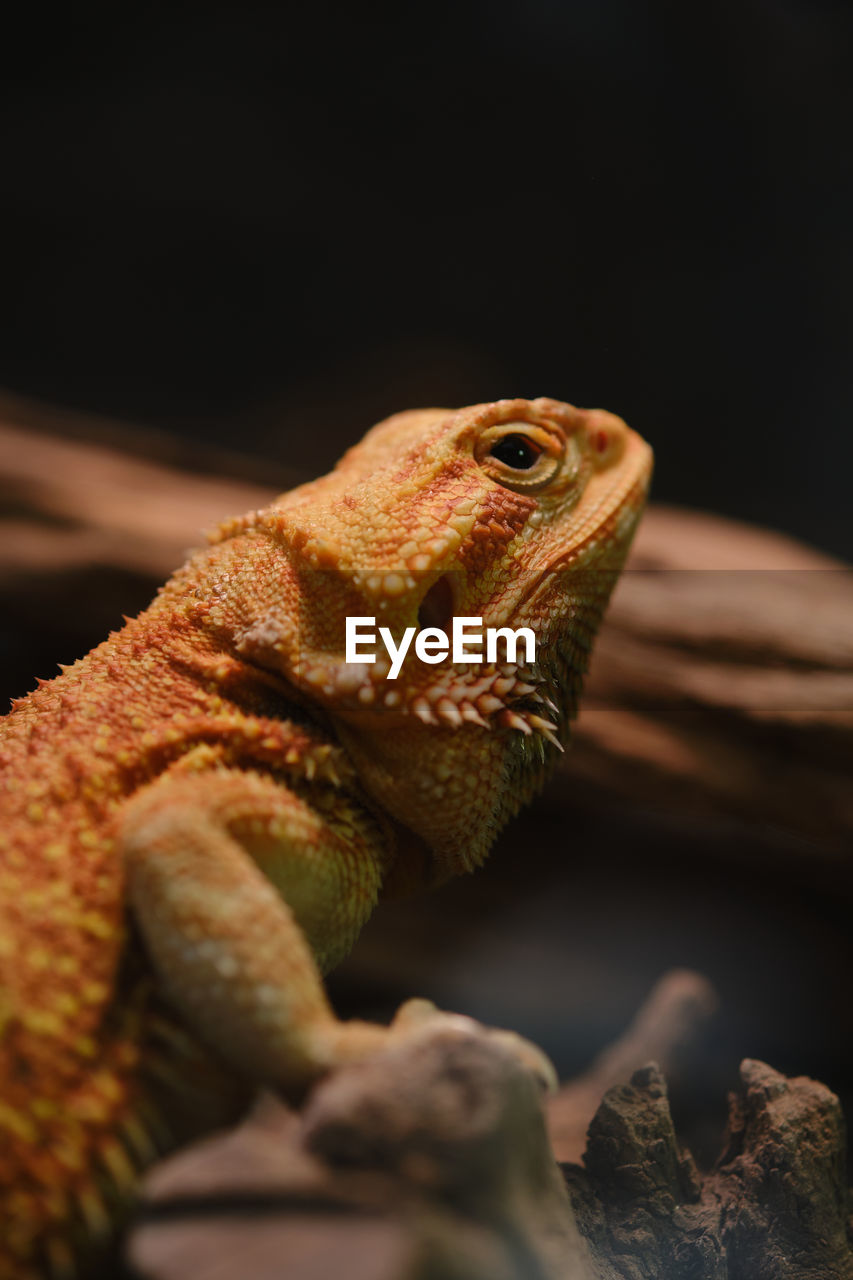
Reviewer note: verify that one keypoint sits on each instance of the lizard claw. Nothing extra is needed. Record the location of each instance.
(423, 1016)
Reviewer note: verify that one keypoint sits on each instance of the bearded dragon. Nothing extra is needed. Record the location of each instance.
(199, 816)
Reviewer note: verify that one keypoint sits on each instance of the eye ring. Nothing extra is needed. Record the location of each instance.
(520, 456)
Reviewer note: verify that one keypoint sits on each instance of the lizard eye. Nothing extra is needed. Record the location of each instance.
(518, 452)
(519, 455)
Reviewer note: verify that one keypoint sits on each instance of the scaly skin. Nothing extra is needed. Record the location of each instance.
(198, 817)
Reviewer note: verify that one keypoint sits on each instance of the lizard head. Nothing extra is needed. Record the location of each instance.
(517, 512)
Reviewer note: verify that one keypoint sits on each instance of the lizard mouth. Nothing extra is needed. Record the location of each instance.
(454, 698)
(501, 695)
(436, 608)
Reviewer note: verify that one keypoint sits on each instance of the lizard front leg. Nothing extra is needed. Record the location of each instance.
(242, 891)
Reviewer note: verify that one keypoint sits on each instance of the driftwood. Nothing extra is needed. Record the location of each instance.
(725, 677)
(433, 1161)
(722, 684)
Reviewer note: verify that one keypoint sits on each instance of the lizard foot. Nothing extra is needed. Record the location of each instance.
(421, 1017)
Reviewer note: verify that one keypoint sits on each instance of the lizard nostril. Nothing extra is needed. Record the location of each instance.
(437, 605)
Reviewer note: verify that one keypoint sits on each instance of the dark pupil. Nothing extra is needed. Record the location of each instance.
(517, 452)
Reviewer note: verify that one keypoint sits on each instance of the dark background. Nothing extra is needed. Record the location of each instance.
(267, 226)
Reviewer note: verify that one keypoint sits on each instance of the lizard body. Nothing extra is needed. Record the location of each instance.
(199, 816)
